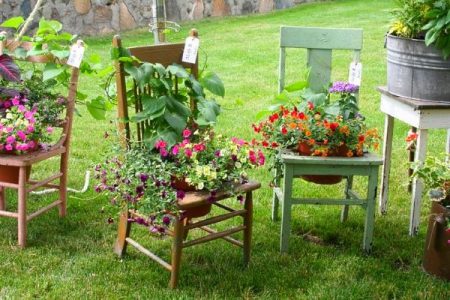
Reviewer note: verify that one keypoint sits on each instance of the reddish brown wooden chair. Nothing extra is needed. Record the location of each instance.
(194, 204)
(19, 166)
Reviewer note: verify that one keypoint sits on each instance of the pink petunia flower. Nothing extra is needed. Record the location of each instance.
(9, 147)
(10, 139)
(186, 133)
(21, 135)
(175, 150)
(160, 144)
(50, 129)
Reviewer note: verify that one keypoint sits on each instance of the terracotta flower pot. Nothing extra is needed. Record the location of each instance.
(305, 149)
(436, 260)
(10, 174)
(194, 212)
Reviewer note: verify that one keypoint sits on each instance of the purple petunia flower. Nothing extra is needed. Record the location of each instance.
(343, 87)
(181, 194)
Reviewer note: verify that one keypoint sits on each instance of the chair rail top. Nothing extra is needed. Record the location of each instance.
(321, 38)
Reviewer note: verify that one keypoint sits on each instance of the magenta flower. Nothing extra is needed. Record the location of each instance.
(199, 147)
(21, 135)
(7, 104)
(30, 129)
(186, 133)
(175, 150)
(9, 147)
(28, 115)
(10, 139)
(188, 152)
(160, 144)
(15, 101)
(50, 129)
(21, 108)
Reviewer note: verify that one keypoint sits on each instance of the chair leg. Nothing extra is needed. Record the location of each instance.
(2, 198)
(248, 223)
(286, 212)
(345, 208)
(22, 208)
(63, 185)
(275, 200)
(370, 209)
(177, 247)
(122, 233)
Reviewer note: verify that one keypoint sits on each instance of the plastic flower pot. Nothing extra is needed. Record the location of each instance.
(436, 260)
(305, 149)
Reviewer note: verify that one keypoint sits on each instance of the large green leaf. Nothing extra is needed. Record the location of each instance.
(213, 83)
(97, 108)
(13, 22)
(177, 122)
(209, 110)
(176, 106)
(51, 71)
(152, 106)
(178, 71)
(296, 86)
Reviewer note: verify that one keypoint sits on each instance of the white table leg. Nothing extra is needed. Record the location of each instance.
(417, 188)
(387, 151)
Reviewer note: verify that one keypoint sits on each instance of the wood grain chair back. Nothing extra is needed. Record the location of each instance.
(320, 43)
(166, 55)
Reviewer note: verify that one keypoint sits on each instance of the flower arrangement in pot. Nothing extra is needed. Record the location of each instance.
(418, 48)
(435, 174)
(152, 180)
(328, 125)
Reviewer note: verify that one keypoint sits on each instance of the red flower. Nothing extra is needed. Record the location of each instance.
(334, 125)
(265, 144)
(160, 144)
(302, 116)
(284, 130)
(274, 145)
(361, 138)
(310, 105)
(273, 117)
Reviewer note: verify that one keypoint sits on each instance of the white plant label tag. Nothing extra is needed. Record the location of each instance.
(355, 73)
(76, 54)
(190, 50)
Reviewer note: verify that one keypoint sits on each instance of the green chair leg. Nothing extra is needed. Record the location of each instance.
(275, 200)
(345, 208)
(370, 209)
(286, 212)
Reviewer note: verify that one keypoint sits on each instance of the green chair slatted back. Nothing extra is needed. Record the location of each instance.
(319, 42)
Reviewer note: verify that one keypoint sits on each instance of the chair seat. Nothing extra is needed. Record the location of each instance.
(28, 159)
(195, 199)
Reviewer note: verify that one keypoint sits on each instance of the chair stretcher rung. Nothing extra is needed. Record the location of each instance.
(328, 201)
(153, 256)
(216, 219)
(213, 236)
(226, 238)
(223, 206)
(44, 182)
(9, 214)
(43, 210)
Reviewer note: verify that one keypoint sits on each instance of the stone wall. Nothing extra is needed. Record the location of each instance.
(93, 17)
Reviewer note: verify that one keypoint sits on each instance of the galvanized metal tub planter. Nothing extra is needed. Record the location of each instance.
(416, 71)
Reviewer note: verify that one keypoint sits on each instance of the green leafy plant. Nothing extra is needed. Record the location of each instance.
(424, 19)
(171, 98)
(435, 174)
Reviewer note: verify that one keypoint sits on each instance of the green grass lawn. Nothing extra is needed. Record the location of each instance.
(73, 258)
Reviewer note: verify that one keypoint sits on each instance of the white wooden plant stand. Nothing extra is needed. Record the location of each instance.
(423, 115)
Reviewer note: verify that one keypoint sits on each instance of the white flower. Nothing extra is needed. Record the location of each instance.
(199, 170)
(188, 180)
(213, 175)
(206, 170)
(200, 186)
(238, 165)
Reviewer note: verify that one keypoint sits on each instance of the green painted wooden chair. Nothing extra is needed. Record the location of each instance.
(320, 43)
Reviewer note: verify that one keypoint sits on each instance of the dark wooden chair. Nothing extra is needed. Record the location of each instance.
(21, 165)
(166, 55)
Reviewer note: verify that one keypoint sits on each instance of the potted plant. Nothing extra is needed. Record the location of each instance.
(435, 174)
(418, 50)
(328, 125)
(150, 181)
(29, 112)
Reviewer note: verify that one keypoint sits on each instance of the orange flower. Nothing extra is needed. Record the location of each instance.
(311, 141)
(344, 129)
(349, 153)
(292, 125)
(308, 133)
